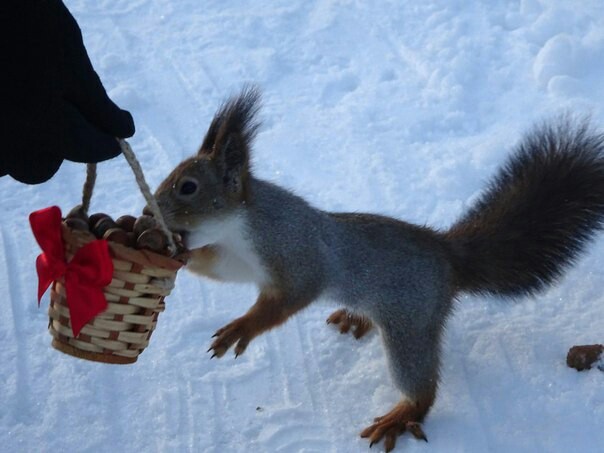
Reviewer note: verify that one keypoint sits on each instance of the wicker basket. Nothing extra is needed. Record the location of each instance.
(135, 296)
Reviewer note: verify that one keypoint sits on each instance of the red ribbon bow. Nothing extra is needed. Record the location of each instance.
(88, 272)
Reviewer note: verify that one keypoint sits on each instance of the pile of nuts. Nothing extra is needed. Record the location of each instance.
(139, 233)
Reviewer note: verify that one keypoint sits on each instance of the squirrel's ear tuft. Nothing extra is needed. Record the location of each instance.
(229, 139)
(238, 116)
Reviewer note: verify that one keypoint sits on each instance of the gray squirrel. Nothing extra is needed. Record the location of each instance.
(527, 227)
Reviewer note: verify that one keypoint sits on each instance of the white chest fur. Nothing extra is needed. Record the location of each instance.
(236, 259)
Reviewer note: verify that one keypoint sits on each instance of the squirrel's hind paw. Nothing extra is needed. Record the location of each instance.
(404, 417)
(345, 320)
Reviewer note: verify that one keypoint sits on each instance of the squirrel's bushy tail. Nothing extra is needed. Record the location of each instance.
(536, 216)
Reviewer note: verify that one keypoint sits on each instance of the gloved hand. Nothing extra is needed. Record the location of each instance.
(55, 106)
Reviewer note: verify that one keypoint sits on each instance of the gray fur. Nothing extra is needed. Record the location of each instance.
(396, 274)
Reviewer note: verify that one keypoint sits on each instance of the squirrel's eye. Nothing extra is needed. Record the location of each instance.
(187, 187)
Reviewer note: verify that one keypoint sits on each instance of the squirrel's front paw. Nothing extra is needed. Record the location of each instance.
(345, 320)
(236, 331)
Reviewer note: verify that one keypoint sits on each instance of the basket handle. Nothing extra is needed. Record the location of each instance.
(142, 185)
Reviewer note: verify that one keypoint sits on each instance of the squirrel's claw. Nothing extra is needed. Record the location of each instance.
(416, 430)
(345, 320)
(388, 427)
(234, 332)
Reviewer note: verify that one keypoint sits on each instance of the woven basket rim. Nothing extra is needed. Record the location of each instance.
(143, 257)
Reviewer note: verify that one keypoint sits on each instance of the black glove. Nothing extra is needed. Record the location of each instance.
(55, 106)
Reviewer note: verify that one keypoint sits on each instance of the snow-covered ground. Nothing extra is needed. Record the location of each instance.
(399, 107)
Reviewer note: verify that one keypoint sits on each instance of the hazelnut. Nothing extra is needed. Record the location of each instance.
(147, 211)
(583, 357)
(76, 223)
(144, 222)
(77, 213)
(126, 222)
(101, 227)
(116, 235)
(94, 218)
(152, 239)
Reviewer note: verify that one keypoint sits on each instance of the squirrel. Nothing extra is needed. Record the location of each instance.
(530, 224)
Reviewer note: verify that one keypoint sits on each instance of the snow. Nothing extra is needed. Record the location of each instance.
(402, 108)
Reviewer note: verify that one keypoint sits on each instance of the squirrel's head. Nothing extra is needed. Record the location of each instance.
(215, 181)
